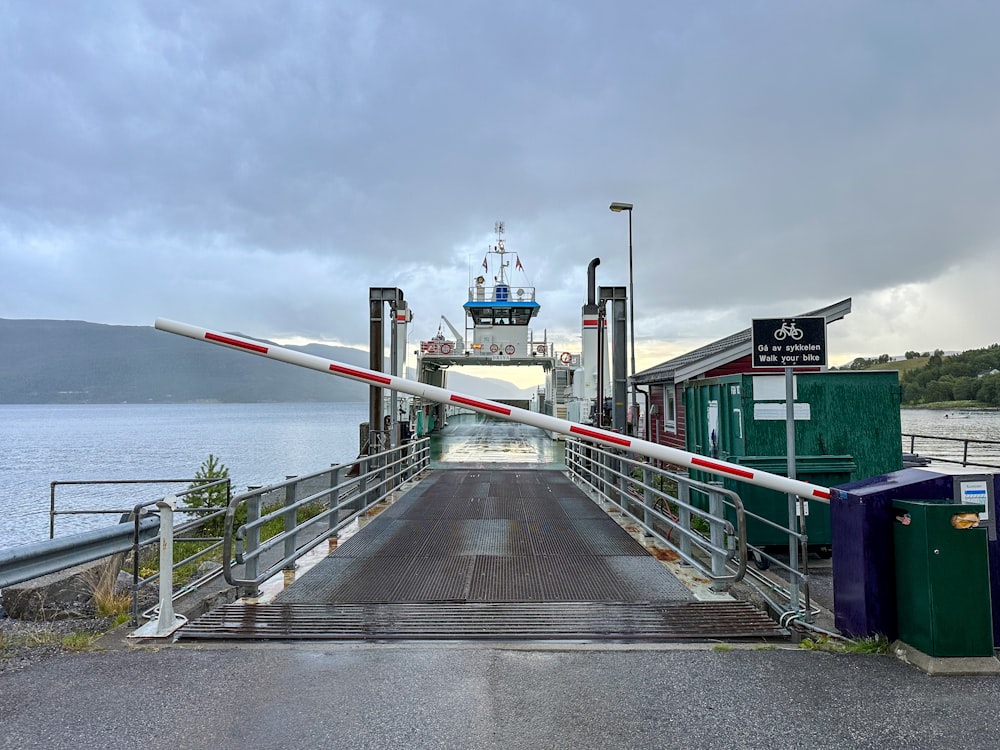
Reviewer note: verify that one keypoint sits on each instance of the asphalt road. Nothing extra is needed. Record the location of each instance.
(475, 696)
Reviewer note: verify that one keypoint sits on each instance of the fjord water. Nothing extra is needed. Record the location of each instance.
(259, 443)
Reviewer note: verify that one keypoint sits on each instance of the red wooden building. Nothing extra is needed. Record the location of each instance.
(728, 356)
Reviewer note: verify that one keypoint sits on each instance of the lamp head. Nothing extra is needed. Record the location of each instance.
(618, 207)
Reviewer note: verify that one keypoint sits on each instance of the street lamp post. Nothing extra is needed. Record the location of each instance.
(618, 208)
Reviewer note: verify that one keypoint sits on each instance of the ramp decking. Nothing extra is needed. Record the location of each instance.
(488, 554)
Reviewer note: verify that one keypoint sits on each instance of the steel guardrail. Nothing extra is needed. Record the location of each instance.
(966, 443)
(352, 488)
(601, 470)
(29, 561)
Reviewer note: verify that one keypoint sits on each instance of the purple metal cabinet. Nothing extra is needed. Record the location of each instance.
(861, 517)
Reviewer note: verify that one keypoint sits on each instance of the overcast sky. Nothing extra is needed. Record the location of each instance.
(255, 167)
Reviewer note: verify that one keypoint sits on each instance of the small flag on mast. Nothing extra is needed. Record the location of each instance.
(518, 265)
(485, 267)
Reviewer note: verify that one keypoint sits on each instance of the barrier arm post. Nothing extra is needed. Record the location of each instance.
(166, 622)
(607, 438)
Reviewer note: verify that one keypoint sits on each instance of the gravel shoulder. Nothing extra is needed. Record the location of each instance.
(25, 643)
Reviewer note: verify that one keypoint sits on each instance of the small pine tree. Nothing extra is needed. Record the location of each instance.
(211, 469)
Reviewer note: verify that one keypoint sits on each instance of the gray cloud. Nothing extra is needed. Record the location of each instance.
(255, 166)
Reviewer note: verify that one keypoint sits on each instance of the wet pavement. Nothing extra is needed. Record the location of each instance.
(495, 696)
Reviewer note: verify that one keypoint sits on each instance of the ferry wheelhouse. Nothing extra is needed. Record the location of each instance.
(499, 310)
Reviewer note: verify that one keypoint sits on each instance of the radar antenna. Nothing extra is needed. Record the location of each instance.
(501, 251)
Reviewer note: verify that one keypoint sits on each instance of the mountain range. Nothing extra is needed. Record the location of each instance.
(76, 362)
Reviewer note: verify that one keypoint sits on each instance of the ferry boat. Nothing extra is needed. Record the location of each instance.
(499, 309)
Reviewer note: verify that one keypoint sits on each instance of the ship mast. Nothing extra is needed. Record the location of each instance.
(501, 251)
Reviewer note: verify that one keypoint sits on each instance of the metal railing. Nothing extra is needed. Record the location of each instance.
(955, 450)
(656, 499)
(192, 530)
(53, 511)
(708, 520)
(332, 499)
(138, 529)
(29, 561)
(289, 519)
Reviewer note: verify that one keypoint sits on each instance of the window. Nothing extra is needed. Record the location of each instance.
(664, 416)
(669, 409)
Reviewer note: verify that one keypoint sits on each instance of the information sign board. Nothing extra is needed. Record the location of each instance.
(789, 342)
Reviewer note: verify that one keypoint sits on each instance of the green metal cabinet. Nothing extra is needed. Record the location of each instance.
(847, 427)
(826, 471)
(942, 580)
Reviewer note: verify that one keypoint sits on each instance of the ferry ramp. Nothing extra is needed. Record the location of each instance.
(496, 543)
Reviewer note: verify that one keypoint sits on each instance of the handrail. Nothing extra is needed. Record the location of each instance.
(966, 442)
(600, 470)
(108, 511)
(378, 475)
(595, 468)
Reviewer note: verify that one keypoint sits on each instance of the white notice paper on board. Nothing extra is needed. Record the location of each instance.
(976, 492)
(776, 412)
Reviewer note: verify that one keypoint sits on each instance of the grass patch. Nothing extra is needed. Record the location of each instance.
(870, 645)
(722, 647)
(876, 644)
(108, 599)
(79, 641)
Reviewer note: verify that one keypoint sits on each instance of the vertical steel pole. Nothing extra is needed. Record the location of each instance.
(166, 617)
(631, 320)
(52, 510)
(684, 515)
(166, 621)
(399, 315)
(601, 356)
(376, 344)
(252, 544)
(793, 516)
(717, 508)
(647, 498)
(336, 480)
(289, 516)
(619, 420)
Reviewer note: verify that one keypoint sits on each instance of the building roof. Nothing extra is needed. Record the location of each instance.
(723, 351)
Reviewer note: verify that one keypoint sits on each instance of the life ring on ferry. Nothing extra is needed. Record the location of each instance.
(431, 347)
(565, 358)
(494, 348)
(509, 349)
(446, 348)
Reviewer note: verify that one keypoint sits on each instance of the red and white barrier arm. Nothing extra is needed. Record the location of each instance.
(553, 424)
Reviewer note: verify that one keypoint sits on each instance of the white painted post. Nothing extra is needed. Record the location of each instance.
(166, 622)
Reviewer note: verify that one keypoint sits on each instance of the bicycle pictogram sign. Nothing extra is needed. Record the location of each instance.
(789, 342)
(789, 330)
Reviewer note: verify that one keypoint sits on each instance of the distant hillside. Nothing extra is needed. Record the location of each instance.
(973, 375)
(73, 362)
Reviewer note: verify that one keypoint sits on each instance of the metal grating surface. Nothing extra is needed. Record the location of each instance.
(622, 621)
(579, 507)
(491, 554)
